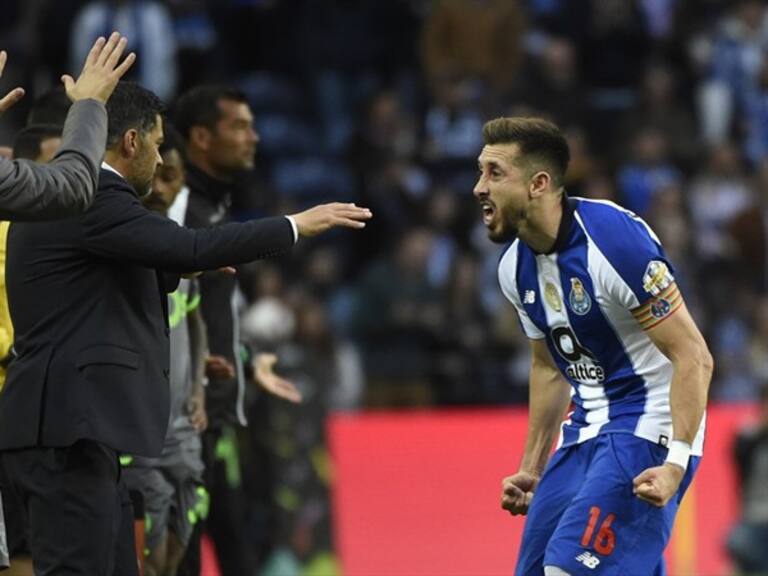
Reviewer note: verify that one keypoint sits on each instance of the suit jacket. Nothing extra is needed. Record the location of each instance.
(88, 302)
(65, 186)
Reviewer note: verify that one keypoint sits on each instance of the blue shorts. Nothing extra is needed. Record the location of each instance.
(584, 518)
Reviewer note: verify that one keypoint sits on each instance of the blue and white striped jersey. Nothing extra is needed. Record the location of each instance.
(605, 281)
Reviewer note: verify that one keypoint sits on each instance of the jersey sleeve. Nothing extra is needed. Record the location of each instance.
(507, 281)
(638, 275)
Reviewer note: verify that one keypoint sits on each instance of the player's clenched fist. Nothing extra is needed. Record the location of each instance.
(327, 216)
(101, 71)
(517, 492)
(659, 484)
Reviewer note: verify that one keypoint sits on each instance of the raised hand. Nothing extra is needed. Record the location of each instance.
(263, 372)
(101, 71)
(326, 216)
(14, 95)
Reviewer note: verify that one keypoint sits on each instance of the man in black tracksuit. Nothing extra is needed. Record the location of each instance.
(217, 125)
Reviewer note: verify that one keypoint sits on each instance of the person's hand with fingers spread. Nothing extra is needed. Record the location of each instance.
(65, 187)
(264, 375)
(326, 216)
(14, 95)
(101, 71)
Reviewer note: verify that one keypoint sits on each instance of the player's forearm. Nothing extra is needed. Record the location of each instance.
(688, 392)
(549, 399)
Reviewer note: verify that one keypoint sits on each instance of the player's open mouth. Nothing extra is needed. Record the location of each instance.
(489, 210)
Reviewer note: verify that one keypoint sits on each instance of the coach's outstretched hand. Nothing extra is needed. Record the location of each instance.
(14, 95)
(517, 492)
(326, 216)
(101, 71)
(658, 485)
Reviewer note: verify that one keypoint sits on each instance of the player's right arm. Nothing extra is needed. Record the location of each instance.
(549, 398)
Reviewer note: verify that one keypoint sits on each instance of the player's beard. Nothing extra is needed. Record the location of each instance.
(508, 230)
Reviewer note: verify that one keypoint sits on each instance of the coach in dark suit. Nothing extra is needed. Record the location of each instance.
(88, 301)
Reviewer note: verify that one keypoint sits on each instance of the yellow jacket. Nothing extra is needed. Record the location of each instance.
(6, 328)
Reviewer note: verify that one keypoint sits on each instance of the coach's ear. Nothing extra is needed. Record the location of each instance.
(539, 184)
(200, 138)
(130, 143)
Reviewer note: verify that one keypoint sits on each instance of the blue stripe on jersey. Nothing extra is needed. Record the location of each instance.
(528, 279)
(624, 389)
(624, 240)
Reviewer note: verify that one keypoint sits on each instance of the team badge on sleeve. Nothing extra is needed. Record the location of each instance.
(579, 298)
(659, 307)
(657, 277)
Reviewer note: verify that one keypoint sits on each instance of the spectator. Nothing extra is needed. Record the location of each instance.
(660, 107)
(472, 40)
(716, 196)
(732, 59)
(648, 171)
(148, 26)
(746, 542)
(398, 318)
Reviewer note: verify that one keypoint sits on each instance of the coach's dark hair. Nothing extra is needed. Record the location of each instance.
(27, 143)
(540, 143)
(200, 107)
(131, 106)
(172, 140)
(51, 107)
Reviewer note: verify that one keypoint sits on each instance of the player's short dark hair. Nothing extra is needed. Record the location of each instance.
(200, 106)
(540, 142)
(28, 141)
(51, 107)
(131, 106)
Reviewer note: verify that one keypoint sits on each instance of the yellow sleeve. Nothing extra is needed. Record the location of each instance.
(6, 328)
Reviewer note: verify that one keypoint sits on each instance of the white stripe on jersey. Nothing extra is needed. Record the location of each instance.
(593, 396)
(509, 262)
(647, 361)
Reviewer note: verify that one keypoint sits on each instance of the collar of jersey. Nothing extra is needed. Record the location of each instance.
(564, 231)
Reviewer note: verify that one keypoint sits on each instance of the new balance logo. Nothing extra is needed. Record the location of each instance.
(588, 559)
(530, 297)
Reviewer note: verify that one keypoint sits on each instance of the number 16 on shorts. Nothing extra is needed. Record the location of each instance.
(605, 540)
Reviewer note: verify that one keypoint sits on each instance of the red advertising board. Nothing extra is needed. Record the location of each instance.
(417, 493)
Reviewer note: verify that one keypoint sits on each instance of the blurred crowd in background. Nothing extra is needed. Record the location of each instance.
(381, 102)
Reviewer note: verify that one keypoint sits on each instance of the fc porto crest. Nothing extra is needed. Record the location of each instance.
(660, 308)
(579, 299)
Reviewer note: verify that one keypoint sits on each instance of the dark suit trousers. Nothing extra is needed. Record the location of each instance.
(75, 507)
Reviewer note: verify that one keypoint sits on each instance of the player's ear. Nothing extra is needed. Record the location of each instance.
(200, 137)
(539, 183)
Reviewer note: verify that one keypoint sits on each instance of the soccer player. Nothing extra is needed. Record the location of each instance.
(610, 335)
